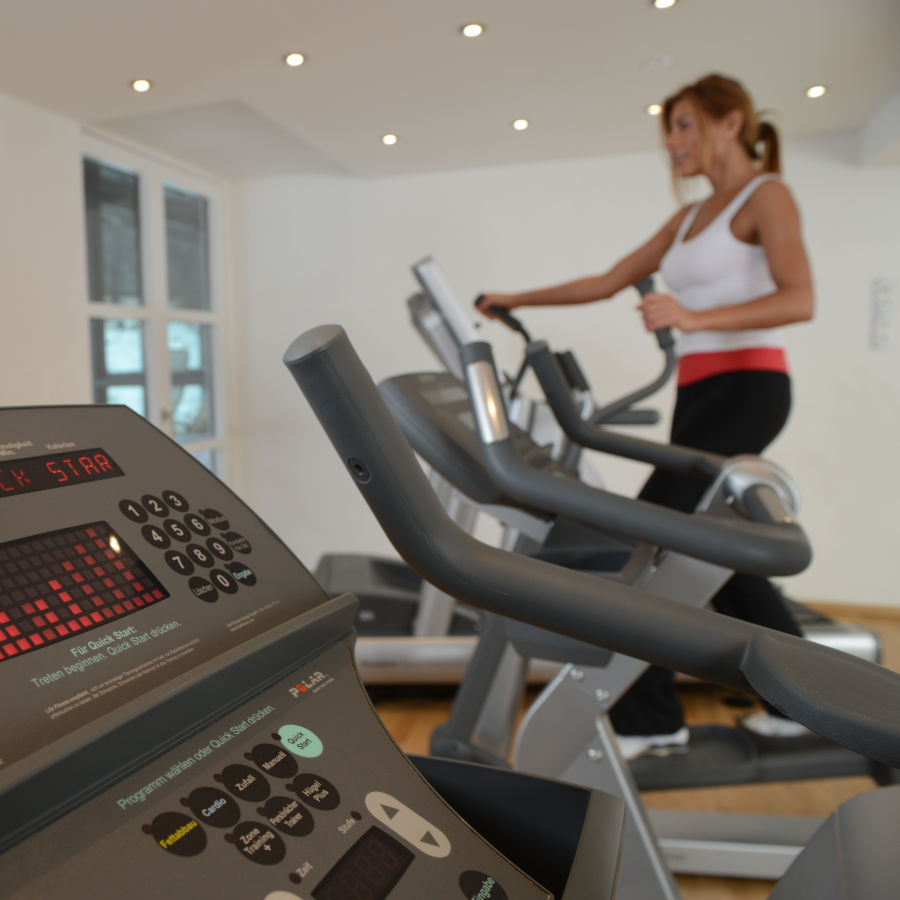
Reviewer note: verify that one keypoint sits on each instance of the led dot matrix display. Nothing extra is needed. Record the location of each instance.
(62, 583)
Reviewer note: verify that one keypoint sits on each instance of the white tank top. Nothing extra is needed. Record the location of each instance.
(714, 268)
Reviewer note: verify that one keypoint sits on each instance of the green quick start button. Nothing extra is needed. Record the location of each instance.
(300, 741)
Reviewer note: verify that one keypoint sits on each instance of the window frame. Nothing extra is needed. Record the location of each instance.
(156, 172)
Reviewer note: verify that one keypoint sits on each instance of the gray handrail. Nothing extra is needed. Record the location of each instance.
(851, 701)
(587, 434)
(611, 411)
(771, 545)
(609, 414)
(619, 411)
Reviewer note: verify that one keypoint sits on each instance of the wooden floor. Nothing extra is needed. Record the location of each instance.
(411, 719)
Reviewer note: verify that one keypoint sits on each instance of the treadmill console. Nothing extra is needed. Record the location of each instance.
(182, 714)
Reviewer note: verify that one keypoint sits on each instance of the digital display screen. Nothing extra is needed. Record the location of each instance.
(40, 473)
(60, 584)
(368, 870)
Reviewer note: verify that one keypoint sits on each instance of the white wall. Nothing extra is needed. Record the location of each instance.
(842, 443)
(338, 250)
(43, 329)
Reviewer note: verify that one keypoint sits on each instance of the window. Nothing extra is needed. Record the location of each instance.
(154, 316)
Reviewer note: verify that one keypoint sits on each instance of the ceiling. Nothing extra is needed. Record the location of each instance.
(582, 71)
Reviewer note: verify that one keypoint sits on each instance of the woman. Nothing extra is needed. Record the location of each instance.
(738, 270)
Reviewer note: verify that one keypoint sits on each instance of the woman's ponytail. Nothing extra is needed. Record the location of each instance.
(767, 135)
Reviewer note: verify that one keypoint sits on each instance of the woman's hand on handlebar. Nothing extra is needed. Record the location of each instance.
(664, 311)
(486, 301)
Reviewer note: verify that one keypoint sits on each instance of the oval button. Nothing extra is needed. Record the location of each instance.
(408, 824)
(258, 843)
(177, 833)
(316, 791)
(213, 806)
(482, 885)
(300, 741)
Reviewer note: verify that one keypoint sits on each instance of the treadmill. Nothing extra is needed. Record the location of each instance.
(183, 717)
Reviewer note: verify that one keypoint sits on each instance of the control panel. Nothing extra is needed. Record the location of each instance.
(296, 795)
(182, 714)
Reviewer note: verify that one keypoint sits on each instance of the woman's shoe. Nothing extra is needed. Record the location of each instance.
(633, 746)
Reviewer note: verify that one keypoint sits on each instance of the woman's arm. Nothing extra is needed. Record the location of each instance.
(642, 263)
(777, 228)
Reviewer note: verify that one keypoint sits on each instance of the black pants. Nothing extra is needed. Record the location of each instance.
(729, 414)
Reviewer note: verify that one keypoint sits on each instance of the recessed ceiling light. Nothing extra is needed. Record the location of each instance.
(520, 124)
(473, 29)
(663, 4)
(389, 140)
(654, 109)
(141, 85)
(295, 59)
(817, 90)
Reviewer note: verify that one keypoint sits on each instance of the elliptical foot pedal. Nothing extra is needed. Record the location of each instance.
(717, 754)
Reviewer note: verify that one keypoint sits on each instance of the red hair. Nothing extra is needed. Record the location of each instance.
(714, 97)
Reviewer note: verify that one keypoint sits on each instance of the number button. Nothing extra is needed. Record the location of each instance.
(200, 555)
(223, 581)
(133, 511)
(175, 529)
(179, 563)
(154, 505)
(156, 536)
(219, 548)
(197, 525)
(175, 501)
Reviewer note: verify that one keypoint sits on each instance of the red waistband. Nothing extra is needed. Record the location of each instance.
(697, 366)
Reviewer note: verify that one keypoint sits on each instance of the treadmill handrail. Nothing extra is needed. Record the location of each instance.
(852, 701)
(770, 544)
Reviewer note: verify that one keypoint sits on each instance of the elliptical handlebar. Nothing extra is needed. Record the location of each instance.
(610, 414)
(853, 702)
(619, 412)
(587, 433)
(771, 545)
(506, 317)
(664, 336)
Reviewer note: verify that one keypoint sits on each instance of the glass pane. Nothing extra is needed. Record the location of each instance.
(187, 249)
(112, 218)
(118, 362)
(133, 397)
(190, 367)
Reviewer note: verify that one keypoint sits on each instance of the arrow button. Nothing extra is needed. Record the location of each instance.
(408, 824)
